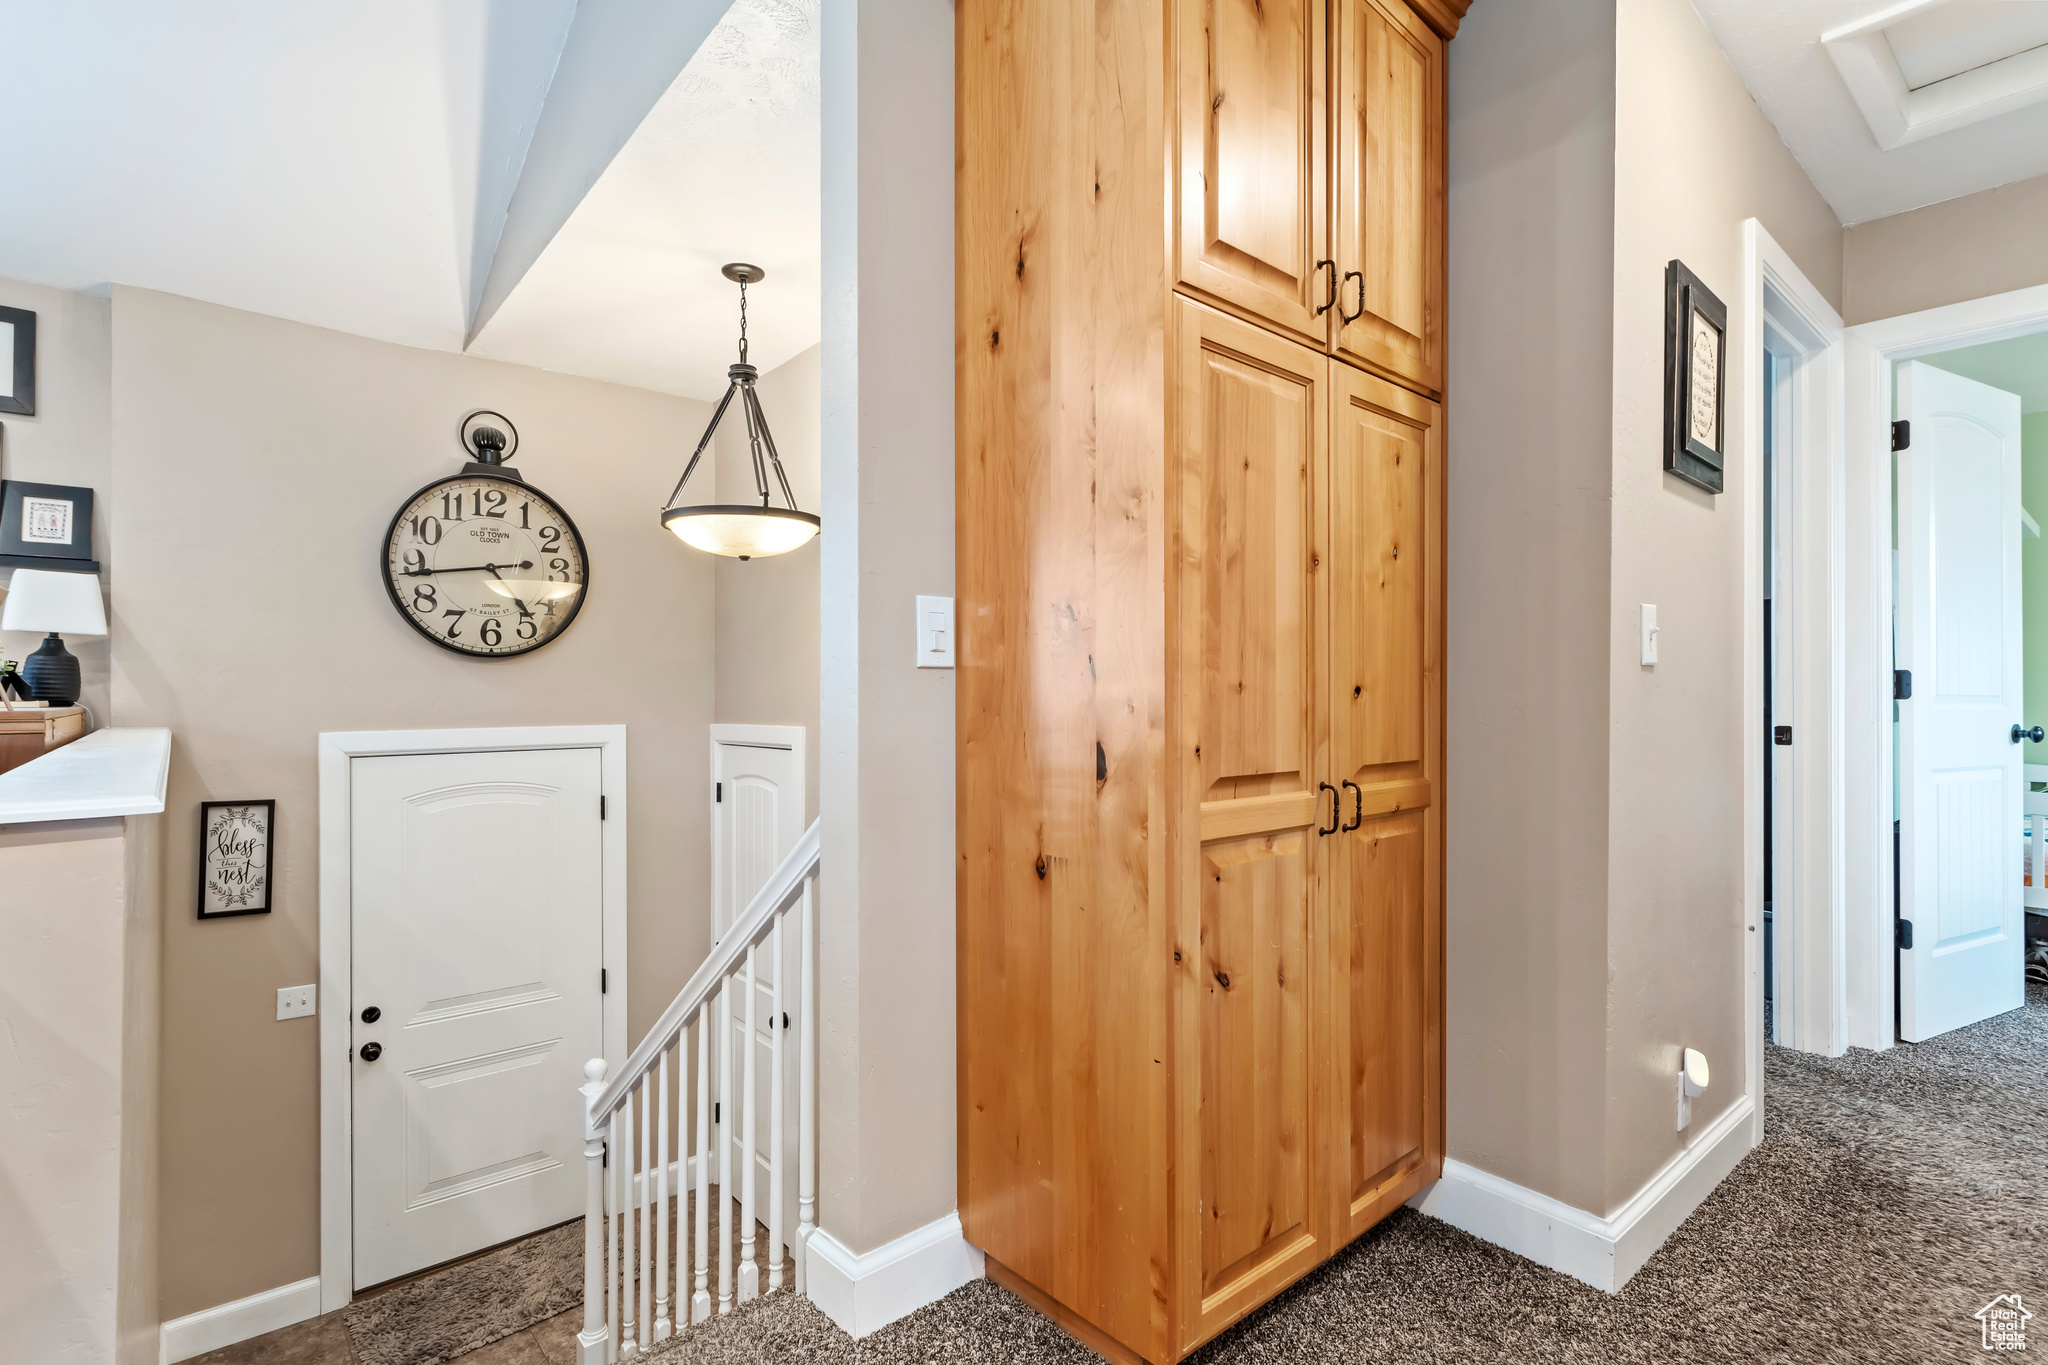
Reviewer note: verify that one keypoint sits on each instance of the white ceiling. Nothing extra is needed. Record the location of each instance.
(351, 166)
(2019, 365)
(1937, 48)
(725, 168)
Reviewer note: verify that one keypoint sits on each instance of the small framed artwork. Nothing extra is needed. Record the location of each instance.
(1695, 379)
(45, 525)
(18, 361)
(234, 857)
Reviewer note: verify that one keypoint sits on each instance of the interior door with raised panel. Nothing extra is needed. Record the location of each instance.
(1252, 181)
(1252, 424)
(1389, 190)
(1385, 644)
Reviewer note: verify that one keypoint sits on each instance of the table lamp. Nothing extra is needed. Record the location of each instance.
(38, 599)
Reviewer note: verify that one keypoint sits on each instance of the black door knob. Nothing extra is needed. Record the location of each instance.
(371, 1014)
(371, 1051)
(2020, 732)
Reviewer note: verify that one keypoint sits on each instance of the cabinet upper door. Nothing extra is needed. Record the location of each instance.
(1385, 864)
(1252, 181)
(1251, 417)
(1390, 190)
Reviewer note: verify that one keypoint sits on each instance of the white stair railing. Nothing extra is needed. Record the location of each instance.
(626, 1229)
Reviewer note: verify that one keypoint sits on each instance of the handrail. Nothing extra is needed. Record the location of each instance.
(782, 890)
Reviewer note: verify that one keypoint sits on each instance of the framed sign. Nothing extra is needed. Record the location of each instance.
(234, 857)
(46, 526)
(1695, 379)
(18, 361)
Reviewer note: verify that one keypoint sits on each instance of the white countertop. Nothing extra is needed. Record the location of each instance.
(107, 773)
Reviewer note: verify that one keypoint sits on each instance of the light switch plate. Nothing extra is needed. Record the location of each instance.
(295, 1002)
(1650, 629)
(934, 632)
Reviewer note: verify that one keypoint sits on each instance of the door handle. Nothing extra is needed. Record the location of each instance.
(370, 1052)
(1357, 804)
(1348, 318)
(1331, 301)
(2020, 732)
(1335, 813)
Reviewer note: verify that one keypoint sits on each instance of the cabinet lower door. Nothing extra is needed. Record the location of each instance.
(1252, 427)
(1386, 893)
(1389, 189)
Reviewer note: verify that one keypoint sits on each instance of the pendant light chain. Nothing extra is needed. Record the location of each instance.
(743, 322)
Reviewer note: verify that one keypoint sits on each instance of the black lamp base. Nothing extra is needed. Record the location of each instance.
(52, 672)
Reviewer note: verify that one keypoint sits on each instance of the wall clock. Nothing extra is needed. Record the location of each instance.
(483, 563)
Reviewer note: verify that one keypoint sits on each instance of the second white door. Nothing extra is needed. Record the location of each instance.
(757, 815)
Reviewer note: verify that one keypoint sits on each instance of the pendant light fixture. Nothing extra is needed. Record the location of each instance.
(742, 530)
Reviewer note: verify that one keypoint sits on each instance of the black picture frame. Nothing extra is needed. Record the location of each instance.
(245, 886)
(20, 396)
(1687, 303)
(25, 545)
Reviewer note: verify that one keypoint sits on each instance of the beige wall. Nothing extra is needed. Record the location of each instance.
(768, 608)
(78, 1092)
(249, 616)
(886, 1088)
(1968, 248)
(66, 441)
(1531, 222)
(1676, 934)
(1596, 805)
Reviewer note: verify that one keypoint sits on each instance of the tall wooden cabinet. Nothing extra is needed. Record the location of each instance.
(1200, 598)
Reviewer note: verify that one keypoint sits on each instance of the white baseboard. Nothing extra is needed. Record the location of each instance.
(224, 1325)
(1603, 1252)
(871, 1290)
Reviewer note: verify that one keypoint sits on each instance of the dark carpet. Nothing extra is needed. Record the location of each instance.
(1893, 1196)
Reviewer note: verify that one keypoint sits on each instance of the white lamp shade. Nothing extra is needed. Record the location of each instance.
(66, 603)
(741, 532)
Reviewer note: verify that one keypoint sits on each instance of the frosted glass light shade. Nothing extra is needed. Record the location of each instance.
(64, 603)
(741, 532)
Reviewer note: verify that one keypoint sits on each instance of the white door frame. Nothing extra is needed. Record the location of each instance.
(337, 1119)
(1785, 314)
(1873, 347)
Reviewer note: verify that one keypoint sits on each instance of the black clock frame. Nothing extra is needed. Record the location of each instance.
(505, 476)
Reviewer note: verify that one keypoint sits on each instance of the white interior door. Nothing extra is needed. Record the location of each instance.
(757, 775)
(477, 926)
(1960, 768)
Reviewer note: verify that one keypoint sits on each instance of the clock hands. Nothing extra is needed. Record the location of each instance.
(471, 568)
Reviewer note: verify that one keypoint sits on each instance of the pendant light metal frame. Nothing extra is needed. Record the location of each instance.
(740, 380)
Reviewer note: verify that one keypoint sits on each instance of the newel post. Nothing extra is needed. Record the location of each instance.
(593, 1341)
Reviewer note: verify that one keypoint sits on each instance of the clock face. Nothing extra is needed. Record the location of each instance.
(485, 566)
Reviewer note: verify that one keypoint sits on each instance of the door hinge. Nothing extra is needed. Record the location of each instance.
(715, 1109)
(718, 791)
(603, 985)
(1781, 734)
(1902, 684)
(1902, 434)
(600, 808)
(1905, 932)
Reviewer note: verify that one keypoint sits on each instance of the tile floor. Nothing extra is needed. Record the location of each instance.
(324, 1341)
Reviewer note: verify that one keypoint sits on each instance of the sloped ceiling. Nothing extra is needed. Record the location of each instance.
(361, 167)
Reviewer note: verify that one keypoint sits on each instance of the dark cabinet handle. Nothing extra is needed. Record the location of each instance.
(1348, 318)
(2020, 732)
(1331, 301)
(1357, 805)
(1335, 814)
(370, 1052)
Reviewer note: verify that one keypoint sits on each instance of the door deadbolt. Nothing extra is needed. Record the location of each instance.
(371, 1014)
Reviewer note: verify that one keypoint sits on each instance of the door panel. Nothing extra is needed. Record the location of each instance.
(1389, 189)
(1961, 774)
(1252, 422)
(476, 900)
(1385, 641)
(1252, 183)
